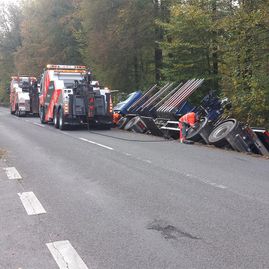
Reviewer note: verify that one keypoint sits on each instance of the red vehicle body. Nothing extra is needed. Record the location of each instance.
(65, 104)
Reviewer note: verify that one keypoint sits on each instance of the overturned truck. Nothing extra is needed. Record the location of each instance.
(158, 110)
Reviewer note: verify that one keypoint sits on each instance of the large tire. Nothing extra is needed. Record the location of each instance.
(19, 113)
(105, 126)
(139, 126)
(56, 118)
(42, 115)
(11, 112)
(122, 122)
(194, 134)
(130, 124)
(219, 134)
(62, 126)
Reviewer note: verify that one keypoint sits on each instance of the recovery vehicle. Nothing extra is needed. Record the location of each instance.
(23, 95)
(69, 97)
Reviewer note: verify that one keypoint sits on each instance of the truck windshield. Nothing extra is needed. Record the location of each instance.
(68, 83)
(24, 85)
(69, 79)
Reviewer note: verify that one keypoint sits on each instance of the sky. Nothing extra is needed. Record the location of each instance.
(9, 1)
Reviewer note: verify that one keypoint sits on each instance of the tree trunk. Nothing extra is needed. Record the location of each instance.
(158, 37)
(215, 58)
(136, 71)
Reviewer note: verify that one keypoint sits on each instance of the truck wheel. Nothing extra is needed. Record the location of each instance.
(107, 126)
(16, 110)
(122, 122)
(12, 112)
(62, 126)
(130, 124)
(42, 115)
(139, 126)
(56, 119)
(194, 134)
(219, 134)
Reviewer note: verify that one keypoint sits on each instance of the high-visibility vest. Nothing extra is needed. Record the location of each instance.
(189, 118)
(116, 118)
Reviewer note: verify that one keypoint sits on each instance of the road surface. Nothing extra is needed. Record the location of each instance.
(113, 199)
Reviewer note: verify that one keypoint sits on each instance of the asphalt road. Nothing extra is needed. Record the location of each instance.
(124, 200)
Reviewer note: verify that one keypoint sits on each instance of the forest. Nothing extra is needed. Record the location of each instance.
(132, 44)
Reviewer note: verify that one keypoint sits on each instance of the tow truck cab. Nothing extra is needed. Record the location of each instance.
(67, 98)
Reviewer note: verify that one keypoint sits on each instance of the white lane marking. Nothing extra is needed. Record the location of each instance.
(137, 158)
(65, 255)
(12, 173)
(38, 124)
(94, 143)
(31, 203)
(213, 184)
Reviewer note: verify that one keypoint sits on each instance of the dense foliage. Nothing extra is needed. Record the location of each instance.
(131, 44)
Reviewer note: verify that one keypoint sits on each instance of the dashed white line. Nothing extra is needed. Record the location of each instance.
(95, 143)
(31, 203)
(65, 255)
(38, 124)
(137, 158)
(213, 184)
(12, 173)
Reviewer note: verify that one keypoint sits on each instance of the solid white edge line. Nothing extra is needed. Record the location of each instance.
(31, 203)
(65, 255)
(95, 143)
(12, 173)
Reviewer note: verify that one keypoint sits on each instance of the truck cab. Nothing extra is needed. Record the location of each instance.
(69, 97)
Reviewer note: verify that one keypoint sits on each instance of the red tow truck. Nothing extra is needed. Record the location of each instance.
(23, 95)
(69, 97)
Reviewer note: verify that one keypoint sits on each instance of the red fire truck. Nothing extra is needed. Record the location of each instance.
(69, 97)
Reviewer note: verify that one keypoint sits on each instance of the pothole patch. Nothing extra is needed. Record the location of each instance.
(169, 231)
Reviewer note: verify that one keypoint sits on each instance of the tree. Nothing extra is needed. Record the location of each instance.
(245, 61)
(190, 46)
(119, 41)
(10, 18)
(47, 35)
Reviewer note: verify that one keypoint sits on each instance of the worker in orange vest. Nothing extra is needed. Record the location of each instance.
(116, 118)
(188, 120)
